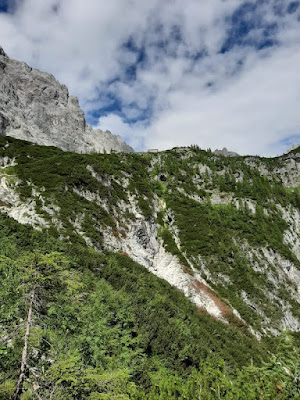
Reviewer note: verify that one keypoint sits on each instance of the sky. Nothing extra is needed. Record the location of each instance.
(162, 74)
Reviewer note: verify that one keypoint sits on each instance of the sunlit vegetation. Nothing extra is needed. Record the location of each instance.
(104, 328)
(97, 325)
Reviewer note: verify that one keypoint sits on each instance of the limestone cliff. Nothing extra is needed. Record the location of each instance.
(34, 106)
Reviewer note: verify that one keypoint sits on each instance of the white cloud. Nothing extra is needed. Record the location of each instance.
(192, 93)
(133, 134)
(254, 110)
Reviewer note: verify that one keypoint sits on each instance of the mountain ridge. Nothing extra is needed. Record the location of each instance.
(140, 276)
(34, 106)
(164, 211)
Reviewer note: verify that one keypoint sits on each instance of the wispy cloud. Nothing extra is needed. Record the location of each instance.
(216, 73)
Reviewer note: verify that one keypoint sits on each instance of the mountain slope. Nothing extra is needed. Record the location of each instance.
(78, 237)
(102, 327)
(34, 106)
(223, 231)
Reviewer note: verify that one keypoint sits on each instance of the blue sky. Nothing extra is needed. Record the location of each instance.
(170, 73)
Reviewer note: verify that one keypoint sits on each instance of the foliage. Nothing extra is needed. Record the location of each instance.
(103, 326)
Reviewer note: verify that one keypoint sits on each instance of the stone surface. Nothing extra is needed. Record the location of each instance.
(287, 171)
(34, 106)
(224, 152)
(143, 245)
(2, 52)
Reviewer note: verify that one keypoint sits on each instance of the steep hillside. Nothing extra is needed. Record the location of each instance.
(90, 325)
(224, 231)
(34, 106)
(79, 235)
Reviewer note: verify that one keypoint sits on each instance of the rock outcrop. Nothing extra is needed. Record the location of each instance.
(35, 107)
(224, 152)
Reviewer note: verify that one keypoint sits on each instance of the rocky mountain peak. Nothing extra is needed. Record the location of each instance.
(35, 107)
(2, 52)
(224, 152)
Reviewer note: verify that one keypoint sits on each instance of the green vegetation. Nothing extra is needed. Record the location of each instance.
(65, 180)
(102, 326)
(105, 328)
(222, 235)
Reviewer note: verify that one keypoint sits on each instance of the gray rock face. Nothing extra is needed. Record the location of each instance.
(224, 152)
(2, 53)
(34, 106)
(286, 170)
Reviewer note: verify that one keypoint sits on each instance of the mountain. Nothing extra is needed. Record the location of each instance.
(163, 275)
(146, 276)
(224, 152)
(224, 231)
(34, 106)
